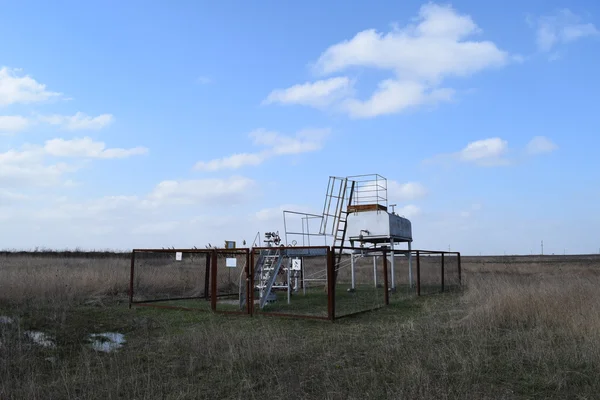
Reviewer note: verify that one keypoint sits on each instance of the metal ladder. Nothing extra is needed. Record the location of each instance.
(340, 192)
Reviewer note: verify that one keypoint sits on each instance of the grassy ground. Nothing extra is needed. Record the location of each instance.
(516, 331)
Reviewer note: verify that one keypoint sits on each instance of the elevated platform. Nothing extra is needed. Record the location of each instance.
(366, 207)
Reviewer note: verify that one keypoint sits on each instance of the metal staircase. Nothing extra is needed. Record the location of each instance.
(268, 266)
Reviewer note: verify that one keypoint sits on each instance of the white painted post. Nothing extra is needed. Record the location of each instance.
(352, 271)
(289, 281)
(375, 270)
(393, 265)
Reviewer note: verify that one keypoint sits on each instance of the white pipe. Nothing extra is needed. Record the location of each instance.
(375, 270)
(352, 269)
(289, 280)
(393, 265)
(409, 265)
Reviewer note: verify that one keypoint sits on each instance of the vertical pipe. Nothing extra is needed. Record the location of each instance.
(252, 283)
(393, 266)
(352, 266)
(289, 281)
(248, 281)
(418, 273)
(330, 284)
(442, 272)
(213, 281)
(375, 271)
(410, 279)
(459, 270)
(131, 278)
(386, 295)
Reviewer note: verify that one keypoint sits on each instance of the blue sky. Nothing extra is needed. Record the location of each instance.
(150, 124)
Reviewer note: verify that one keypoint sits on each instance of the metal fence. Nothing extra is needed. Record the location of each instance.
(191, 279)
(316, 282)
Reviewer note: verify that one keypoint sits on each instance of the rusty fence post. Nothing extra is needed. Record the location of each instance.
(386, 295)
(207, 277)
(418, 273)
(131, 278)
(459, 270)
(330, 284)
(442, 272)
(213, 281)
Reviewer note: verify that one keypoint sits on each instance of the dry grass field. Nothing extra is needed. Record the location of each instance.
(522, 328)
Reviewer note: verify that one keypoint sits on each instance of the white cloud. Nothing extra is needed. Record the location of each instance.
(7, 197)
(420, 56)
(79, 121)
(234, 161)
(493, 152)
(304, 141)
(277, 144)
(88, 148)
(409, 211)
(18, 88)
(13, 123)
(154, 228)
(35, 174)
(200, 191)
(316, 94)
(203, 80)
(561, 28)
(472, 210)
(486, 152)
(27, 167)
(393, 96)
(540, 145)
(405, 191)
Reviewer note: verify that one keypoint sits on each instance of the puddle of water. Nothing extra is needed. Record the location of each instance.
(40, 338)
(4, 320)
(107, 342)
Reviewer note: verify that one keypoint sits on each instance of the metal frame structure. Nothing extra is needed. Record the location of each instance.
(247, 279)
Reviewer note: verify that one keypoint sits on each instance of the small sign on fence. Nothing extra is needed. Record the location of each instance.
(231, 262)
(178, 256)
(296, 264)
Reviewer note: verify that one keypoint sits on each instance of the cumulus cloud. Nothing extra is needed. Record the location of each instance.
(18, 88)
(88, 148)
(408, 211)
(275, 144)
(562, 27)
(405, 191)
(29, 165)
(13, 123)
(420, 56)
(486, 152)
(494, 152)
(199, 191)
(540, 145)
(234, 161)
(79, 121)
(316, 94)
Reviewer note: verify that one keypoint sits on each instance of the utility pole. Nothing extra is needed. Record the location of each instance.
(542, 247)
